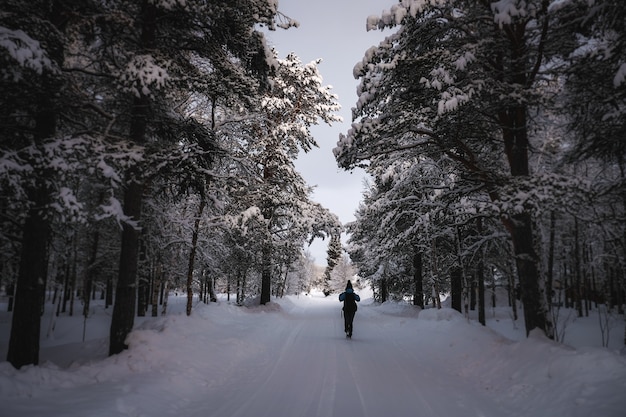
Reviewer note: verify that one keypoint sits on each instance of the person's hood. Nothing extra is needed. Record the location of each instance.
(349, 290)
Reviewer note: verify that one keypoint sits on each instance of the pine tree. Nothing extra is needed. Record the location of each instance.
(35, 93)
(273, 137)
(456, 82)
(174, 41)
(334, 255)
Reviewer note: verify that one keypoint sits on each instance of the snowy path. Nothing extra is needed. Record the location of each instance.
(291, 359)
(312, 370)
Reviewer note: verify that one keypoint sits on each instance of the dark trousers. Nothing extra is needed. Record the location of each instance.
(348, 318)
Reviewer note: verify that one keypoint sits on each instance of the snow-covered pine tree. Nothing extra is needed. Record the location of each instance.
(341, 273)
(457, 80)
(334, 255)
(173, 43)
(595, 92)
(273, 137)
(35, 140)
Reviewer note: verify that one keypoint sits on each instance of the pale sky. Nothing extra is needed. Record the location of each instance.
(333, 30)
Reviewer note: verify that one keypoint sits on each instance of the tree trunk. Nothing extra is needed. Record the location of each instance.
(514, 128)
(493, 287)
(156, 286)
(577, 271)
(384, 293)
(242, 290)
(166, 293)
(528, 273)
(567, 286)
(513, 292)
(72, 287)
(163, 284)
(108, 298)
(142, 281)
(550, 272)
(456, 289)
(122, 319)
(418, 283)
(481, 293)
(480, 276)
(192, 254)
(266, 273)
(31, 280)
(66, 284)
(472, 295)
(11, 294)
(90, 272)
(29, 295)
(514, 69)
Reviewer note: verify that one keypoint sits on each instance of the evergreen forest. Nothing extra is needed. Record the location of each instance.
(148, 146)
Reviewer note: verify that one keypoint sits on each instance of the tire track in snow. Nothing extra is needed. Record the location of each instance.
(305, 367)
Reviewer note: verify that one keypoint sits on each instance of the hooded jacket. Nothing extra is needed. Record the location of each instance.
(349, 298)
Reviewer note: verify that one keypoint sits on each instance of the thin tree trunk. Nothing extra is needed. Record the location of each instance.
(434, 275)
(493, 287)
(283, 285)
(418, 283)
(567, 286)
(142, 281)
(585, 270)
(165, 298)
(577, 271)
(108, 298)
(238, 284)
(73, 274)
(456, 289)
(90, 272)
(156, 284)
(473, 288)
(550, 272)
(212, 295)
(202, 287)
(192, 254)
(162, 290)
(11, 294)
(244, 280)
(384, 293)
(66, 284)
(480, 276)
(437, 299)
(266, 273)
(481, 293)
(512, 292)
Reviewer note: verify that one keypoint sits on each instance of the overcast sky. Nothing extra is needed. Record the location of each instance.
(333, 30)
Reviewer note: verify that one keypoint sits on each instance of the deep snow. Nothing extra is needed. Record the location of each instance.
(291, 358)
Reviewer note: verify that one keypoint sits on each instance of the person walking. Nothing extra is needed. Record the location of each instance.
(349, 298)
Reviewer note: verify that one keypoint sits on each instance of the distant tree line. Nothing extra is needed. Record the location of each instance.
(147, 146)
(495, 137)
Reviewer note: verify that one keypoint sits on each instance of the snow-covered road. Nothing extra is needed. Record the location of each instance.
(308, 368)
(292, 359)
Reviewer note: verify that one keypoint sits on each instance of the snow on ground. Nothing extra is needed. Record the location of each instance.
(291, 358)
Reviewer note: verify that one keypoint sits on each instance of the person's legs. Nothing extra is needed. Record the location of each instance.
(349, 315)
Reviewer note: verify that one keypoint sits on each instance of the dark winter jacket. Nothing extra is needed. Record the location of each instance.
(349, 298)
